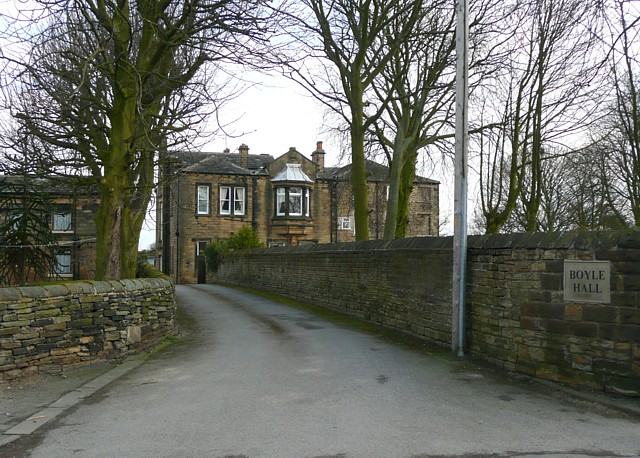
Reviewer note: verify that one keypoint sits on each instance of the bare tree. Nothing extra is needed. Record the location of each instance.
(420, 79)
(415, 90)
(358, 39)
(547, 93)
(621, 133)
(106, 83)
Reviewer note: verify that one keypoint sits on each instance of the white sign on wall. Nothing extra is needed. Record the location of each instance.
(587, 281)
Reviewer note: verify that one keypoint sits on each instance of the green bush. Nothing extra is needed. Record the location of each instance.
(213, 255)
(244, 238)
(215, 251)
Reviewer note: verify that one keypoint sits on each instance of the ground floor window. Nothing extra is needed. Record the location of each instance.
(200, 246)
(63, 264)
(344, 223)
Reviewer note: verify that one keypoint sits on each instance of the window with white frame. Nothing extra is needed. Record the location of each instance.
(232, 200)
(203, 199)
(307, 202)
(293, 201)
(344, 223)
(62, 219)
(281, 202)
(200, 246)
(238, 201)
(63, 264)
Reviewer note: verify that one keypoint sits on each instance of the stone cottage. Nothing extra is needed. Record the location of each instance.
(288, 200)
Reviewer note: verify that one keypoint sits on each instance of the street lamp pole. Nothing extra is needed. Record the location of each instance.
(461, 171)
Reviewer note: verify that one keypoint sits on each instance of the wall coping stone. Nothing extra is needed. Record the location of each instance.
(80, 288)
(10, 294)
(575, 240)
(102, 286)
(33, 291)
(129, 285)
(117, 287)
(56, 290)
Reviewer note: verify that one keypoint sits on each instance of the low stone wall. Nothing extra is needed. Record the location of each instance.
(56, 327)
(516, 314)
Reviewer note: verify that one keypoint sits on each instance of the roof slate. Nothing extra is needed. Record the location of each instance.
(53, 185)
(221, 163)
(229, 164)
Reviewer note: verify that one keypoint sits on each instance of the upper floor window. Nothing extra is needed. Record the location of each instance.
(62, 219)
(203, 206)
(232, 200)
(293, 201)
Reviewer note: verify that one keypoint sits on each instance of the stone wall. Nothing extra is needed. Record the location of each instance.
(52, 328)
(516, 314)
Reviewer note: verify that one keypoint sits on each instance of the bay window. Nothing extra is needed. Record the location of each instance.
(293, 201)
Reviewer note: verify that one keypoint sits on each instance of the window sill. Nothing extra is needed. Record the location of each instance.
(297, 218)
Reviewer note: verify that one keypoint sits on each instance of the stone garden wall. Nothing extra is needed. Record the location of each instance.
(56, 327)
(517, 316)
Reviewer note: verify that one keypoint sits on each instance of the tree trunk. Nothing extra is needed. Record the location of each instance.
(117, 233)
(359, 175)
(395, 177)
(406, 187)
(118, 221)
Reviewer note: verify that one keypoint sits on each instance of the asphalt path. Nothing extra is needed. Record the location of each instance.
(256, 378)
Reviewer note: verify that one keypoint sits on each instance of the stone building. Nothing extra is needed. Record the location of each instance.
(288, 200)
(71, 205)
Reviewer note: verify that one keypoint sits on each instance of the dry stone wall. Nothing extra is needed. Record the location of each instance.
(517, 317)
(56, 327)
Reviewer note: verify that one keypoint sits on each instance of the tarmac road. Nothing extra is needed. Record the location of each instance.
(256, 378)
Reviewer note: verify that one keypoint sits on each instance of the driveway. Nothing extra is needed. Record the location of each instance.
(256, 378)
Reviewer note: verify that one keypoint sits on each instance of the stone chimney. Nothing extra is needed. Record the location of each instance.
(318, 157)
(244, 156)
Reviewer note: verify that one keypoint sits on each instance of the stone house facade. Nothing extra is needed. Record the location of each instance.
(72, 207)
(289, 200)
